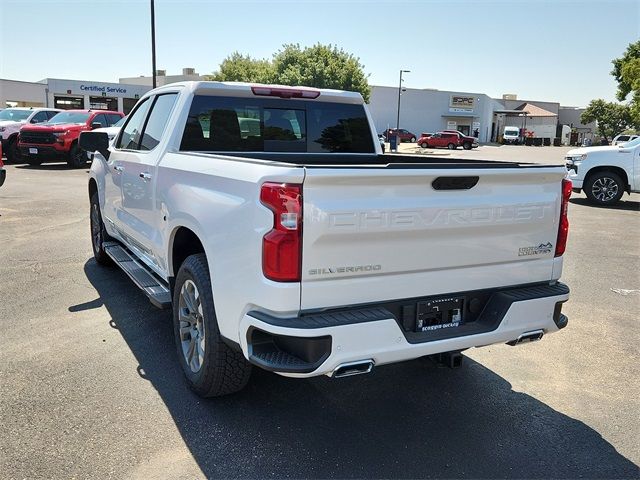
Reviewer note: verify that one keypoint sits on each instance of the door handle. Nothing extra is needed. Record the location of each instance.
(118, 168)
(145, 176)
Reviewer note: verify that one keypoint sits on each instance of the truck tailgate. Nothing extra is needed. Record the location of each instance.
(374, 234)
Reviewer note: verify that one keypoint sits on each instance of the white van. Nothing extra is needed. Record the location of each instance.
(511, 135)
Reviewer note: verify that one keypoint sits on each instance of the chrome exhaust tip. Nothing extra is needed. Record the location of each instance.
(352, 368)
(527, 337)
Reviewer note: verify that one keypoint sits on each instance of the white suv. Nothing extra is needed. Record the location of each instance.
(12, 119)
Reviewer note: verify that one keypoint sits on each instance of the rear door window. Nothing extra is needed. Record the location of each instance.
(219, 124)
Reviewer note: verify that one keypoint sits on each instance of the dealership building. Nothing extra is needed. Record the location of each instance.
(421, 110)
(475, 114)
(68, 94)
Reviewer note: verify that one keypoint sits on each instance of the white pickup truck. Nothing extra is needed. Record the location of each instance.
(605, 173)
(12, 119)
(269, 220)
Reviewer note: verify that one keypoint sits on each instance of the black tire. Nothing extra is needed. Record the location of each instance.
(451, 146)
(424, 145)
(413, 140)
(77, 157)
(13, 153)
(98, 233)
(222, 370)
(604, 188)
(466, 145)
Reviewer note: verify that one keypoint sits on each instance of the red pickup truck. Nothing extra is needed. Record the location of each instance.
(450, 139)
(464, 141)
(58, 138)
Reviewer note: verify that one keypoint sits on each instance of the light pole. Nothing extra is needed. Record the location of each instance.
(153, 44)
(400, 93)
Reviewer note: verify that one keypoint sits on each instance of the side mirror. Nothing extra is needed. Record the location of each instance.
(95, 142)
(95, 125)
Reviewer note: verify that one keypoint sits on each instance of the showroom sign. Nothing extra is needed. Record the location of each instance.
(462, 103)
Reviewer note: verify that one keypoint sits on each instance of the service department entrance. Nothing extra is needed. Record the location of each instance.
(103, 103)
(68, 102)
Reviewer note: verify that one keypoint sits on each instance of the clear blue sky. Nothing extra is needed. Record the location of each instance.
(555, 50)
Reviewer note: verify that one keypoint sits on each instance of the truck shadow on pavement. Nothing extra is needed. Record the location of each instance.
(621, 205)
(409, 420)
(45, 166)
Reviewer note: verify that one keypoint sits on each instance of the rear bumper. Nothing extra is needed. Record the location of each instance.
(316, 344)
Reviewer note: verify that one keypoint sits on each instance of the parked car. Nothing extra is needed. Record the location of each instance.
(58, 139)
(442, 140)
(421, 140)
(622, 138)
(391, 265)
(3, 172)
(605, 173)
(405, 135)
(464, 141)
(12, 119)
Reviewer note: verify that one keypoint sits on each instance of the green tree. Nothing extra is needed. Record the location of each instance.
(626, 71)
(612, 118)
(320, 66)
(242, 68)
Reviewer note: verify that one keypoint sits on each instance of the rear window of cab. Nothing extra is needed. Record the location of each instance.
(229, 124)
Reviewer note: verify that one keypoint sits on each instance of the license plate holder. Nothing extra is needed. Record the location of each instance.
(439, 313)
(33, 151)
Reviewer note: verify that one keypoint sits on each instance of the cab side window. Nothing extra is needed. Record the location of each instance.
(112, 118)
(101, 119)
(39, 117)
(132, 130)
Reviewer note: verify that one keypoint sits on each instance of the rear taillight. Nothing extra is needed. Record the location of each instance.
(282, 245)
(563, 227)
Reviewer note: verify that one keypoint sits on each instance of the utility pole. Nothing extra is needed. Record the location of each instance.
(153, 43)
(400, 93)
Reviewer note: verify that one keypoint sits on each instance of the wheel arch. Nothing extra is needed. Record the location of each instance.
(609, 168)
(184, 242)
(93, 187)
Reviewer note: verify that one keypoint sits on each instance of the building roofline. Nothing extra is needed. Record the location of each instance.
(458, 92)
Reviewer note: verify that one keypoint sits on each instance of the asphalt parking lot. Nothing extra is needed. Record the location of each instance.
(91, 387)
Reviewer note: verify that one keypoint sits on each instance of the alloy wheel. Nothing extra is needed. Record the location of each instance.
(604, 189)
(192, 329)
